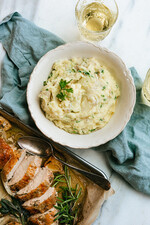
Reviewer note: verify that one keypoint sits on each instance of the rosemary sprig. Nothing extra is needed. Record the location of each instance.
(15, 209)
(66, 205)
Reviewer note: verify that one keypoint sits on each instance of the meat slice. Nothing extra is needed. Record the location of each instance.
(46, 218)
(42, 203)
(13, 163)
(6, 152)
(38, 186)
(25, 172)
(13, 223)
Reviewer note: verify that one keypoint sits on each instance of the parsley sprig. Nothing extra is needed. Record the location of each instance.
(63, 90)
(15, 209)
(67, 204)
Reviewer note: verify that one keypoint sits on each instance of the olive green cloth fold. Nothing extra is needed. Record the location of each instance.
(25, 43)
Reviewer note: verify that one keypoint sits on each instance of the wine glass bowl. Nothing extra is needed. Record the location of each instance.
(95, 19)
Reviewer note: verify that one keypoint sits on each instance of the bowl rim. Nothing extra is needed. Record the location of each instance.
(130, 110)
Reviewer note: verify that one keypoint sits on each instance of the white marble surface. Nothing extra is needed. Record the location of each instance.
(130, 39)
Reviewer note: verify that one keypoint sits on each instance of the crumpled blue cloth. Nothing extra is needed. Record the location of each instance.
(25, 43)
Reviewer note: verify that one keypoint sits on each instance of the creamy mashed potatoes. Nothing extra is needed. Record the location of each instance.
(79, 95)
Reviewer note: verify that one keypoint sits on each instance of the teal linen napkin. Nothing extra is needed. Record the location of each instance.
(24, 42)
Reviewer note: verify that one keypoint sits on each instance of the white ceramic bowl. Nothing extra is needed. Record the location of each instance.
(125, 102)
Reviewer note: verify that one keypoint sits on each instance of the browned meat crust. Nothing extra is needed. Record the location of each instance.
(46, 218)
(5, 153)
(40, 190)
(11, 163)
(28, 176)
(37, 206)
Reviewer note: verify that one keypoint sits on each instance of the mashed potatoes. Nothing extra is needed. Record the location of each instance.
(79, 95)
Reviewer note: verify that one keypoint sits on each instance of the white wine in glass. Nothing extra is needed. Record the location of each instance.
(96, 18)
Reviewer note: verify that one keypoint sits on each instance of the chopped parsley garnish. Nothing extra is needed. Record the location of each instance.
(62, 94)
(92, 130)
(46, 89)
(101, 119)
(85, 72)
(104, 99)
(102, 71)
(69, 90)
(74, 132)
(78, 121)
(115, 97)
(63, 83)
(45, 83)
(73, 70)
(103, 96)
(51, 74)
(101, 105)
(104, 87)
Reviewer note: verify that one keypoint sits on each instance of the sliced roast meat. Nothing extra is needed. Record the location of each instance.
(13, 163)
(46, 218)
(6, 153)
(13, 223)
(25, 172)
(38, 186)
(42, 203)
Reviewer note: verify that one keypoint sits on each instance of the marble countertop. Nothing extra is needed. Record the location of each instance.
(130, 39)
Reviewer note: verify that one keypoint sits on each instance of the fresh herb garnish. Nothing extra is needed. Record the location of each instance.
(103, 96)
(84, 72)
(45, 83)
(51, 74)
(74, 132)
(77, 121)
(63, 83)
(101, 119)
(69, 90)
(102, 71)
(104, 87)
(115, 97)
(67, 205)
(62, 94)
(92, 130)
(15, 209)
(101, 105)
